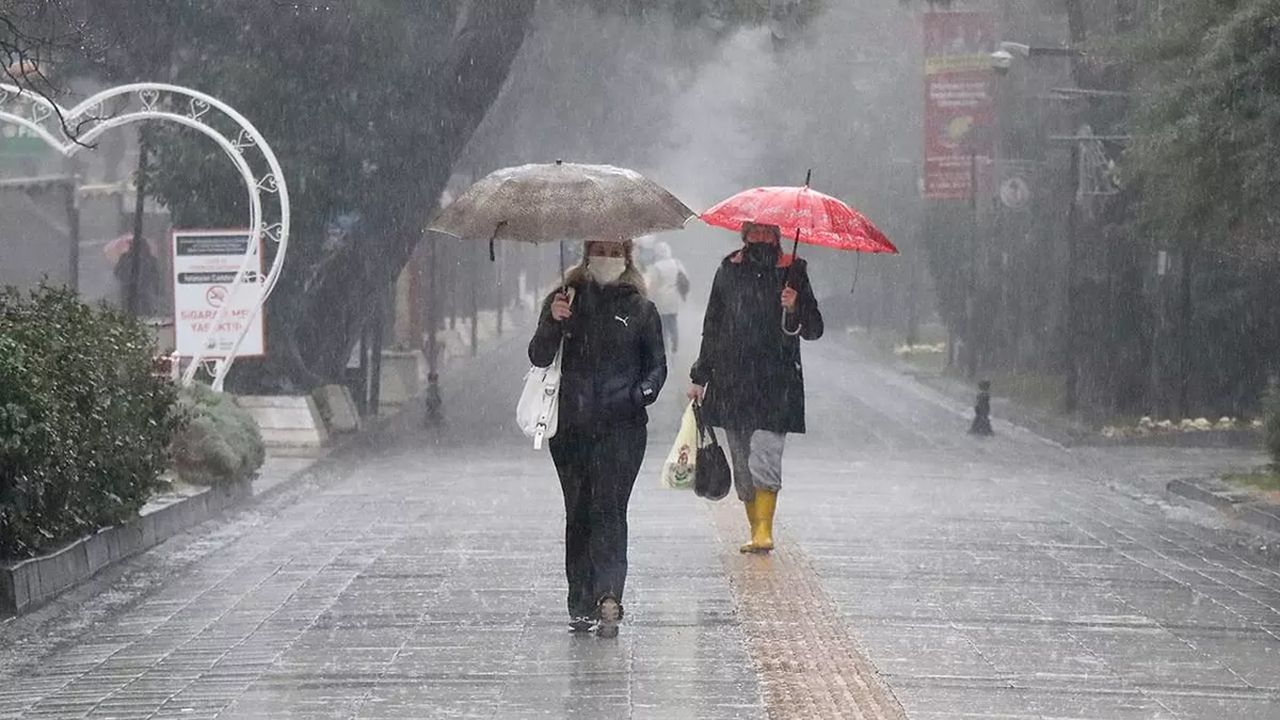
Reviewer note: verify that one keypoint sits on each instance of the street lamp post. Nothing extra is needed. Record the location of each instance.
(137, 247)
(72, 199)
(1002, 62)
(971, 300)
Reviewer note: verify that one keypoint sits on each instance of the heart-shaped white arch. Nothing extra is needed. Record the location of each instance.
(198, 111)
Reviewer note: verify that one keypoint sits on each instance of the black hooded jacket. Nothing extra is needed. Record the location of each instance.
(614, 361)
(750, 367)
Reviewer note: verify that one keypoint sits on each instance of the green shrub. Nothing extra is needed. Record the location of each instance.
(220, 443)
(1272, 424)
(85, 426)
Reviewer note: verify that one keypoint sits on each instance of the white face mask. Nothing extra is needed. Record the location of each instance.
(606, 270)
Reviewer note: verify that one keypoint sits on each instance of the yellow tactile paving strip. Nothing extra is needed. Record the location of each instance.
(808, 664)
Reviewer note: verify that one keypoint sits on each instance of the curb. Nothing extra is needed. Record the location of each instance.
(1212, 439)
(29, 583)
(1238, 505)
(1071, 433)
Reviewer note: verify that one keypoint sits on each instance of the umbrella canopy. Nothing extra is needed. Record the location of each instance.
(562, 201)
(121, 245)
(802, 213)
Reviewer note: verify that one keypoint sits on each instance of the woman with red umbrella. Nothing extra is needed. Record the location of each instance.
(748, 375)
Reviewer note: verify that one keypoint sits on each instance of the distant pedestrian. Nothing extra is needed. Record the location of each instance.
(642, 254)
(140, 294)
(748, 375)
(982, 411)
(613, 367)
(668, 288)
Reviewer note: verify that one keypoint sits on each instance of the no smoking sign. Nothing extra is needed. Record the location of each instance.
(216, 296)
(209, 319)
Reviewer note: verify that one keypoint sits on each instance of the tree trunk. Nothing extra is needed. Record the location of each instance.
(1158, 401)
(345, 290)
(1185, 317)
(1078, 29)
(138, 246)
(1071, 390)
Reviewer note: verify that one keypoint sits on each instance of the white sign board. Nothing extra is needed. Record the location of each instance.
(205, 263)
(1015, 193)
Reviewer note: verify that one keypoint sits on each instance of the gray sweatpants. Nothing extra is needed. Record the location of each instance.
(757, 461)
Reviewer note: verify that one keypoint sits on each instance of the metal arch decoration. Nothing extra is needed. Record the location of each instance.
(236, 136)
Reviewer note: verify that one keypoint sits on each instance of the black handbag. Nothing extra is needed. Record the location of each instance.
(712, 478)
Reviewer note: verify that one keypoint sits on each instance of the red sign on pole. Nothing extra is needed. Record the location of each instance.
(959, 112)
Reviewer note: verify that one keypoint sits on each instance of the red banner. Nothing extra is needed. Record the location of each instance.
(959, 112)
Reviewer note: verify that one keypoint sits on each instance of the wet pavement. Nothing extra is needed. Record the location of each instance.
(421, 578)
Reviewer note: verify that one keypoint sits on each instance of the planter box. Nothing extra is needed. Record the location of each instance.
(27, 583)
(1243, 439)
(403, 376)
(1234, 501)
(337, 408)
(286, 420)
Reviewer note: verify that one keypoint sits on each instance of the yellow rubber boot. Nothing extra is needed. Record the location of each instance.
(753, 517)
(766, 504)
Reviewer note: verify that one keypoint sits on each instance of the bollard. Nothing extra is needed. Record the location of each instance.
(982, 411)
(434, 402)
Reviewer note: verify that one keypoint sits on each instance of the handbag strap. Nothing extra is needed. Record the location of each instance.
(544, 418)
(706, 435)
(559, 355)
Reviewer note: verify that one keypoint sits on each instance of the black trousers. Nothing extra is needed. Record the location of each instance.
(671, 332)
(597, 472)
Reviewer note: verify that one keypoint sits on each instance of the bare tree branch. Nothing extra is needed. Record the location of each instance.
(32, 34)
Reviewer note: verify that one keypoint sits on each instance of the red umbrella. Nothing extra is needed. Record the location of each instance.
(804, 214)
(121, 245)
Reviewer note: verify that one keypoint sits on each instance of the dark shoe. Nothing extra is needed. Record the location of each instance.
(581, 623)
(610, 612)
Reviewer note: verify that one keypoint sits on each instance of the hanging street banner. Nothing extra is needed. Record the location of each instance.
(959, 111)
(205, 263)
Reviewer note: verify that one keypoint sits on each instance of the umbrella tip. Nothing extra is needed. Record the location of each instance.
(808, 177)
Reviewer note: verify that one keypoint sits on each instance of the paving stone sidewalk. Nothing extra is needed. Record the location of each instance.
(1013, 578)
(419, 577)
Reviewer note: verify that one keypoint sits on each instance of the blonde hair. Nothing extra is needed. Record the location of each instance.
(631, 276)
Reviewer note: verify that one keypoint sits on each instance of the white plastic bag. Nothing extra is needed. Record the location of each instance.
(678, 470)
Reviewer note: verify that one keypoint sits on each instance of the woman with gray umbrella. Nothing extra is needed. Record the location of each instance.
(613, 365)
(613, 362)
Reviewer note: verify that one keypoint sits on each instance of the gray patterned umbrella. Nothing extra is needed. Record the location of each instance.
(562, 201)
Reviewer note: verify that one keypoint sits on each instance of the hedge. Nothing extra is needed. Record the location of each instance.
(220, 443)
(85, 425)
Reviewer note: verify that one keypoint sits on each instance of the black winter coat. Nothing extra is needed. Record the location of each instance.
(614, 362)
(750, 367)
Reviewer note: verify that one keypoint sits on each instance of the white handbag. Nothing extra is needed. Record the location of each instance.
(538, 411)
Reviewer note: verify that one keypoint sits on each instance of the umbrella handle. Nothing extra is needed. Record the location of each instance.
(786, 282)
(493, 255)
(564, 277)
(790, 333)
